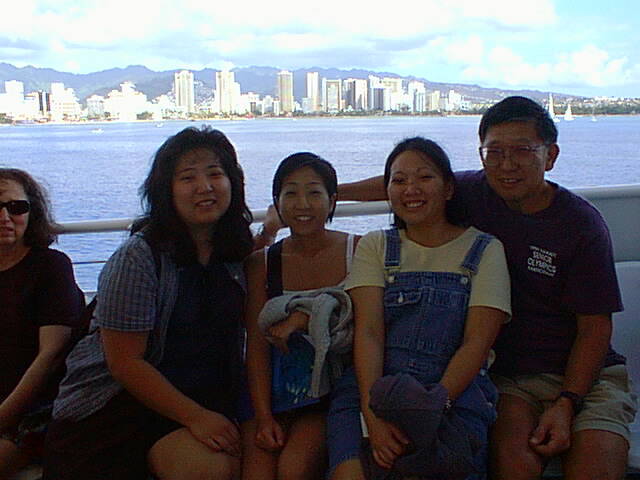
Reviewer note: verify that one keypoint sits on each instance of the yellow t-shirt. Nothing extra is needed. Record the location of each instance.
(490, 286)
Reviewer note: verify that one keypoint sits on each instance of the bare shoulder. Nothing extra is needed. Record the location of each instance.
(342, 237)
(254, 263)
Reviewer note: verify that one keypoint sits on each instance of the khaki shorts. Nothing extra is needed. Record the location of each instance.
(610, 405)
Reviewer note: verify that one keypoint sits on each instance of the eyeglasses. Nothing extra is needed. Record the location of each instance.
(519, 155)
(16, 207)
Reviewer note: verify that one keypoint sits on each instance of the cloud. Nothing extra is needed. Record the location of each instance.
(493, 42)
(283, 25)
(589, 66)
(594, 67)
(507, 13)
(466, 51)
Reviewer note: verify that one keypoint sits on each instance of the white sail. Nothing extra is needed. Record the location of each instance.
(551, 109)
(568, 115)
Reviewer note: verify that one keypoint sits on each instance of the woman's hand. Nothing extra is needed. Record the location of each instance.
(279, 333)
(217, 432)
(388, 442)
(269, 434)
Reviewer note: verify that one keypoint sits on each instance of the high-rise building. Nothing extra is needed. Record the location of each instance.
(14, 87)
(227, 92)
(95, 106)
(417, 96)
(356, 94)
(12, 101)
(184, 91)
(394, 84)
(433, 101)
(313, 91)
(64, 103)
(333, 95)
(454, 100)
(267, 104)
(285, 91)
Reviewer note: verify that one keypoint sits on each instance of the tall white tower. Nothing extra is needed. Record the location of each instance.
(285, 91)
(313, 90)
(184, 91)
(225, 91)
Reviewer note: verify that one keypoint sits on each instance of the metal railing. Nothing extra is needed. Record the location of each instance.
(344, 209)
(350, 209)
(619, 204)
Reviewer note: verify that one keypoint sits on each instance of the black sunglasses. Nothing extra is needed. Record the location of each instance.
(16, 207)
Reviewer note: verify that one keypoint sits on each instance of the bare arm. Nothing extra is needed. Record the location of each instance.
(269, 229)
(585, 361)
(366, 190)
(52, 340)
(269, 435)
(124, 352)
(480, 331)
(588, 352)
(387, 440)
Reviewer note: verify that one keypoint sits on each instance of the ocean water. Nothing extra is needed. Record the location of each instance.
(96, 175)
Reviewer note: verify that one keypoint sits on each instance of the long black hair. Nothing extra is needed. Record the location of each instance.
(161, 224)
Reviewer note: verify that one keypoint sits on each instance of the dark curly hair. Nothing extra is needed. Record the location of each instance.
(40, 230)
(161, 225)
(454, 212)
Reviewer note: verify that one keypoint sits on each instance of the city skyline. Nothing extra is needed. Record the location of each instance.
(337, 96)
(581, 48)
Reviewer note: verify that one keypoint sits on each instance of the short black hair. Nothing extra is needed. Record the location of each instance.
(434, 152)
(230, 236)
(299, 160)
(40, 230)
(520, 109)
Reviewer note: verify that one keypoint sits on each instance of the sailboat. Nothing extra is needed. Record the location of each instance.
(568, 115)
(551, 109)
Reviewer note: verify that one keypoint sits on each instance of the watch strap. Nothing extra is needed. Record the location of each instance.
(577, 401)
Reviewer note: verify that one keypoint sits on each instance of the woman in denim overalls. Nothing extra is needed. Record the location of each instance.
(429, 299)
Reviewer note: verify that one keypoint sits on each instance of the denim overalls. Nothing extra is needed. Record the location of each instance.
(425, 314)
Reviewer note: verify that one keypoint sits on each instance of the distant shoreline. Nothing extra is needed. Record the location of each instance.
(292, 118)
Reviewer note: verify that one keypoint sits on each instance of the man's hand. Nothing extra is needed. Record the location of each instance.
(553, 433)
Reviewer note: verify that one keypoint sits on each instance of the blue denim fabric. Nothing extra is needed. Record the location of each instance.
(425, 314)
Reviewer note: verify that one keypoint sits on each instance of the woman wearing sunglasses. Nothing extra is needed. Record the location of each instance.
(40, 304)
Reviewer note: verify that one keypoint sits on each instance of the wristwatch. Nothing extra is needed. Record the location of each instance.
(577, 401)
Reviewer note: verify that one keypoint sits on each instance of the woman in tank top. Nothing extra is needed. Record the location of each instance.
(296, 312)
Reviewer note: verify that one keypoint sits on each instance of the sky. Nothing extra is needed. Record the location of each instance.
(580, 47)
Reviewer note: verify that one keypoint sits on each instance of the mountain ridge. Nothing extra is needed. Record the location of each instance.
(257, 79)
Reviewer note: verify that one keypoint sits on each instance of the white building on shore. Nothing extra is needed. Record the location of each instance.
(64, 103)
(126, 104)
